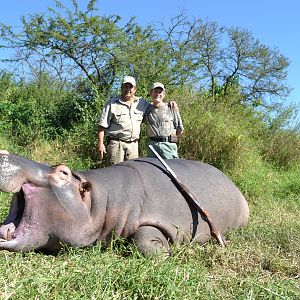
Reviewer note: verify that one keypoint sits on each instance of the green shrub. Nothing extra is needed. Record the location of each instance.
(39, 110)
(281, 139)
(216, 133)
(283, 148)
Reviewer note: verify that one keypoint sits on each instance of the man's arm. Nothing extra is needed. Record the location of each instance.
(101, 146)
(177, 118)
(179, 125)
(103, 123)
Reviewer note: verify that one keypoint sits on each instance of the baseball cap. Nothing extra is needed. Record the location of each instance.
(129, 79)
(157, 85)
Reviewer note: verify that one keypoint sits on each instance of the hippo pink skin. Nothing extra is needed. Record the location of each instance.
(136, 200)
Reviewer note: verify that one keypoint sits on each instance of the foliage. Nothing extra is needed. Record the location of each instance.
(281, 144)
(224, 59)
(73, 44)
(38, 110)
(217, 132)
(97, 48)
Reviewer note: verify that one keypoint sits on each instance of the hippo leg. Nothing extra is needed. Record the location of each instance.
(150, 241)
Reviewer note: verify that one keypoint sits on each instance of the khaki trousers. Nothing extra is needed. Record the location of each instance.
(119, 151)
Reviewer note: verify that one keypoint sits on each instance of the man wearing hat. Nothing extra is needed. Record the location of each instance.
(121, 120)
(164, 124)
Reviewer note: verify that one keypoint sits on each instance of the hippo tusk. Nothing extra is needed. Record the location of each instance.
(9, 235)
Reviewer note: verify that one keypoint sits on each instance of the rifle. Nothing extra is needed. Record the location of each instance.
(214, 231)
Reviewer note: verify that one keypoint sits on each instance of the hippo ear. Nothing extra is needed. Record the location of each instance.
(86, 186)
(84, 191)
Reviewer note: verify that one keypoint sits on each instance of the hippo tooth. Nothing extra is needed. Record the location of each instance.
(9, 235)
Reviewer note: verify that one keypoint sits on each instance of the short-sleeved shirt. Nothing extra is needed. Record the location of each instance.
(123, 121)
(162, 121)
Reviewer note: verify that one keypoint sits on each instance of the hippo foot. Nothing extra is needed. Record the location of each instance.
(150, 241)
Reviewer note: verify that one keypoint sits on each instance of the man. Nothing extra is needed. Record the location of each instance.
(121, 122)
(164, 124)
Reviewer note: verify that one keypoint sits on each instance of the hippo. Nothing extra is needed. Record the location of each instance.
(53, 206)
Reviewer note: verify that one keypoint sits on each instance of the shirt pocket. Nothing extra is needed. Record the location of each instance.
(167, 119)
(138, 115)
(121, 117)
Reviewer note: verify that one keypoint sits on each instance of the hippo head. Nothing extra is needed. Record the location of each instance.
(49, 205)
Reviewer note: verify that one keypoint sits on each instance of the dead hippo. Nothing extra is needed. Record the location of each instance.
(136, 200)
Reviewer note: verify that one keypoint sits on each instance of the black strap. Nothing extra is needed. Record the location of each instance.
(160, 139)
(110, 138)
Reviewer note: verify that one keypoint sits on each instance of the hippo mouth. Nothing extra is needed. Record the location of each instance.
(8, 228)
(20, 229)
(44, 197)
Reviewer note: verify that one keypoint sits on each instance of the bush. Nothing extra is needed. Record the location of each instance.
(40, 111)
(216, 133)
(283, 148)
(281, 140)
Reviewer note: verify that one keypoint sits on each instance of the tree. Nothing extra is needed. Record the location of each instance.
(78, 45)
(261, 71)
(81, 45)
(225, 59)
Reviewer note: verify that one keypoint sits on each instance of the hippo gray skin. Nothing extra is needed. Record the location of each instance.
(135, 199)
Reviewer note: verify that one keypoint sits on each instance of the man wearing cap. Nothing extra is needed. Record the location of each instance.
(121, 121)
(164, 124)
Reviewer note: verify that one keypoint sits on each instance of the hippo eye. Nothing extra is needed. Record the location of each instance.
(64, 172)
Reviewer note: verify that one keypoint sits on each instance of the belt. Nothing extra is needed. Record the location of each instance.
(160, 138)
(170, 139)
(110, 138)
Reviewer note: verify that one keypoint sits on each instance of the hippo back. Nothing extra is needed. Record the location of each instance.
(155, 200)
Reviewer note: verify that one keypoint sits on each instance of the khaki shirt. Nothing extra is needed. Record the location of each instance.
(123, 121)
(162, 121)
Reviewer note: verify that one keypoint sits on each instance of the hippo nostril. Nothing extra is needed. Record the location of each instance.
(61, 173)
(62, 169)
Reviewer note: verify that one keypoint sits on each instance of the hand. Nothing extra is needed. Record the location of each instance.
(174, 106)
(179, 132)
(101, 150)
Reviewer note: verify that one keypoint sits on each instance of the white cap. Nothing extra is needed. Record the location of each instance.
(157, 85)
(129, 79)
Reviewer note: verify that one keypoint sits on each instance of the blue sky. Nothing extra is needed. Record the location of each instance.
(275, 23)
